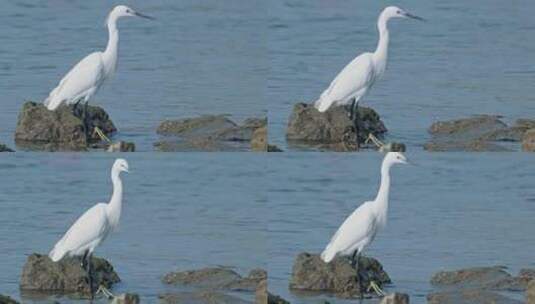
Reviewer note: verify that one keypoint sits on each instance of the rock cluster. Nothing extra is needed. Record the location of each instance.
(479, 133)
(478, 285)
(67, 276)
(332, 130)
(311, 274)
(63, 129)
(209, 133)
(4, 148)
(7, 300)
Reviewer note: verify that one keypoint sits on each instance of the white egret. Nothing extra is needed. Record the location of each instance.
(94, 226)
(84, 80)
(358, 77)
(361, 227)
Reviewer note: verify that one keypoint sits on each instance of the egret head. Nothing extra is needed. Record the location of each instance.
(120, 165)
(396, 158)
(396, 12)
(124, 11)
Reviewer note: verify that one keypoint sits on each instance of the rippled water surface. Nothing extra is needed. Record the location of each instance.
(198, 57)
(471, 57)
(446, 212)
(183, 213)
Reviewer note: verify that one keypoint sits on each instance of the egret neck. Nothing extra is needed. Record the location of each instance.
(110, 54)
(380, 56)
(115, 204)
(381, 201)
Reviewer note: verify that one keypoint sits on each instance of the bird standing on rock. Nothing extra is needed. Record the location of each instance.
(84, 80)
(361, 227)
(358, 77)
(93, 227)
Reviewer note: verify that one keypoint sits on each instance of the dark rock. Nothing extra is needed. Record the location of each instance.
(122, 146)
(528, 141)
(207, 133)
(63, 129)
(217, 278)
(274, 299)
(200, 297)
(338, 277)
(530, 293)
(332, 129)
(464, 146)
(7, 300)
(469, 296)
(490, 278)
(259, 140)
(273, 148)
(471, 128)
(4, 148)
(396, 298)
(67, 276)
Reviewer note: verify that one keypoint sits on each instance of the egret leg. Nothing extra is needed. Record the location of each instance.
(356, 119)
(355, 263)
(373, 286)
(101, 134)
(105, 291)
(375, 141)
(89, 276)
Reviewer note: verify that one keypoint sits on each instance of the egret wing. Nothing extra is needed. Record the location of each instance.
(86, 75)
(358, 227)
(353, 81)
(88, 228)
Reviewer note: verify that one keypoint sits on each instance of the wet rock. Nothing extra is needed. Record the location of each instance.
(7, 300)
(261, 292)
(530, 293)
(489, 278)
(259, 140)
(274, 299)
(4, 148)
(208, 133)
(63, 129)
(396, 298)
(473, 134)
(273, 148)
(122, 146)
(332, 129)
(201, 297)
(67, 276)
(217, 278)
(338, 277)
(126, 298)
(528, 141)
(469, 296)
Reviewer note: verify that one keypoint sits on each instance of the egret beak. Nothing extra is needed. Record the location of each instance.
(409, 15)
(144, 16)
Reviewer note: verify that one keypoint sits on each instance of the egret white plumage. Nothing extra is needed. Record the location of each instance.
(84, 80)
(358, 77)
(94, 226)
(361, 227)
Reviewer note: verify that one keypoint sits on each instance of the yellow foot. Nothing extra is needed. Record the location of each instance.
(373, 286)
(380, 145)
(105, 292)
(101, 134)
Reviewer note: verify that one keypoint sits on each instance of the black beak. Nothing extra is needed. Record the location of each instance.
(409, 15)
(144, 16)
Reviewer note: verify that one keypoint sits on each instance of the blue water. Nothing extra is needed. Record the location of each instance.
(179, 213)
(448, 211)
(198, 57)
(471, 57)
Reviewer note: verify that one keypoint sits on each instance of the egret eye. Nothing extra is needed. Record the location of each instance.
(399, 12)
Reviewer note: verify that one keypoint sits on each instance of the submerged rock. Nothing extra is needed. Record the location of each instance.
(208, 133)
(67, 276)
(476, 134)
(469, 296)
(200, 297)
(259, 141)
(530, 293)
(528, 141)
(4, 148)
(122, 146)
(126, 298)
(338, 277)
(7, 300)
(217, 278)
(63, 129)
(489, 278)
(332, 129)
(396, 298)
